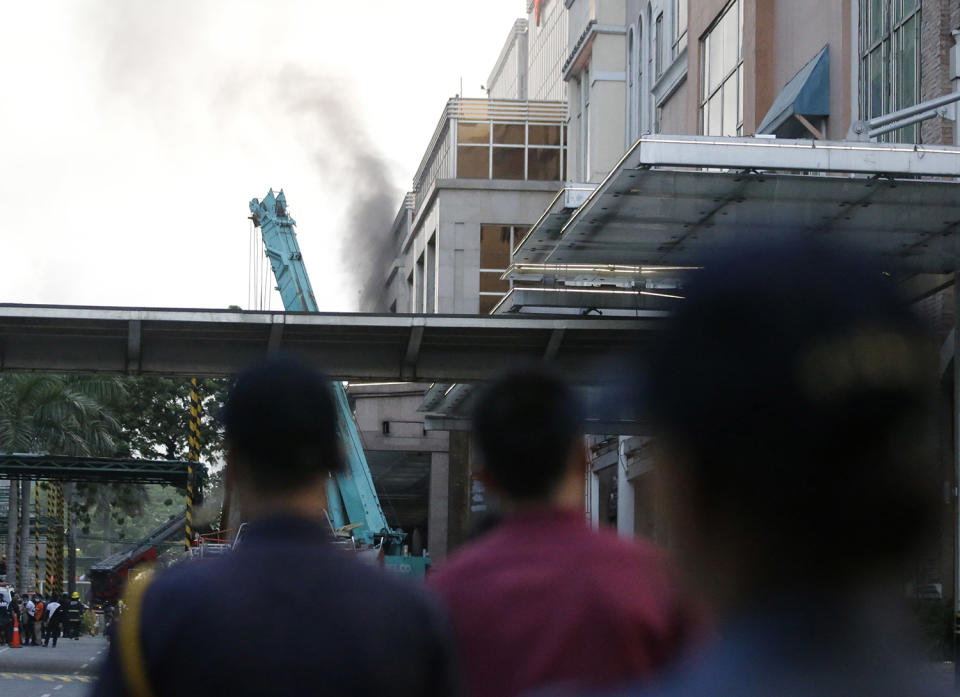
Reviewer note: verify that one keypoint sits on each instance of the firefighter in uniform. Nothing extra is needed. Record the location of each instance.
(74, 613)
(380, 637)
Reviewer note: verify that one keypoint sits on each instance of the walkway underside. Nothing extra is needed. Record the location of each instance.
(199, 343)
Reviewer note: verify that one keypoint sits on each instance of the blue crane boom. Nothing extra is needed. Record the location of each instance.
(353, 503)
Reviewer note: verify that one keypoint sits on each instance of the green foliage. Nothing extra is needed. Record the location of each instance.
(57, 414)
(155, 414)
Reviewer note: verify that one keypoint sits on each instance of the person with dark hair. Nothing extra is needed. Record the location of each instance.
(792, 400)
(364, 633)
(541, 599)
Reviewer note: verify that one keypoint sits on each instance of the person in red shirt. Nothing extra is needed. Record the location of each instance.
(543, 600)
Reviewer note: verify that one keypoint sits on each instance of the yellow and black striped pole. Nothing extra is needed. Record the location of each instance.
(49, 555)
(193, 457)
(36, 538)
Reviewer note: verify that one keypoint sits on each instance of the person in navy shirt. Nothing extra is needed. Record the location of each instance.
(213, 627)
(793, 403)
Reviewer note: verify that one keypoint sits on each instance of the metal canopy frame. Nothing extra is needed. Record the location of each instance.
(672, 200)
(65, 468)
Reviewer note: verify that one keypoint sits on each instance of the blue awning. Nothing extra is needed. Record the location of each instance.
(807, 94)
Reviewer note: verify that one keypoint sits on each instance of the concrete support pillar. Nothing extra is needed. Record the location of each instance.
(593, 498)
(24, 544)
(458, 486)
(13, 522)
(438, 506)
(625, 494)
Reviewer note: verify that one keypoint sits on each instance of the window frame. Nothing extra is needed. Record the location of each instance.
(658, 40)
(889, 43)
(734, 74)
(679, 29)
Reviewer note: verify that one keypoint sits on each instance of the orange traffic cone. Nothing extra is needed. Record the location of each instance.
(15, 641)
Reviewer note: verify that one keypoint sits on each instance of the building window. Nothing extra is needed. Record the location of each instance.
(890, 61)
(494, 150)
(638, 95)
(497, 243)
(585, 125)
(658, 46)
(721, 74)
(631, 86)
(679, 27)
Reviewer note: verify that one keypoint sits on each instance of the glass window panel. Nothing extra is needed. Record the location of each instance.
(494, 246)
(740, 95)
(904, 8)
(491, 283)
(509, 133)
(730, 107)
(731, 42)
(658, 59)
(473, 162)
(907, 83)
(876, 20)
(715, 59)
(508, 163)
(543, 164)
(875, 84)
(740, 27)
(473, 132)
(714, 109)
(544, 135)
(705, 60)
(681, 17)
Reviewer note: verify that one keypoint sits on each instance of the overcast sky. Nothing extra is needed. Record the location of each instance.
(134, 132)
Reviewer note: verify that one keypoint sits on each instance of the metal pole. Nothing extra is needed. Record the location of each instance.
(930, 104)
(956, 498)
(49, 555)
(909, 121)
(13, 518)
(58, 581)
(23, 557)
(193, 457)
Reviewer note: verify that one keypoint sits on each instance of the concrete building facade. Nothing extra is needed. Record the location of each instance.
(768, 68)
(487, 173)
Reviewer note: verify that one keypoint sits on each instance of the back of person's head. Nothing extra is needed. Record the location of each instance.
(526, 425)
(280, 424)
(792, 395)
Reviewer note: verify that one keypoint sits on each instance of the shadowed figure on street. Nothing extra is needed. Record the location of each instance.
(541, 599)
(792, 399)
(214, 627)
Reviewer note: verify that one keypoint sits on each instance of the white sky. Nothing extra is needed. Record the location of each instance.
(134, 132)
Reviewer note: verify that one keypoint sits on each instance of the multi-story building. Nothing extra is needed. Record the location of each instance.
(486, 175)
(575, 86)
(727, 68)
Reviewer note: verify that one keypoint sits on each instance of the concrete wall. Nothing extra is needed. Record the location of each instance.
(800, 30)
(398, 404)
(454, 217)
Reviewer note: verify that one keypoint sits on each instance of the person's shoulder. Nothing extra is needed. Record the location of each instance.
(465, 563)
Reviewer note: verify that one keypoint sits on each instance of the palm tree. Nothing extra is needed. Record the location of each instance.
(62, 415)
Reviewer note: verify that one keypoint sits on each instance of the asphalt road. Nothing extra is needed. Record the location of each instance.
(65, 671)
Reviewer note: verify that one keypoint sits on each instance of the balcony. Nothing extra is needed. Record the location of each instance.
(495, 139)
